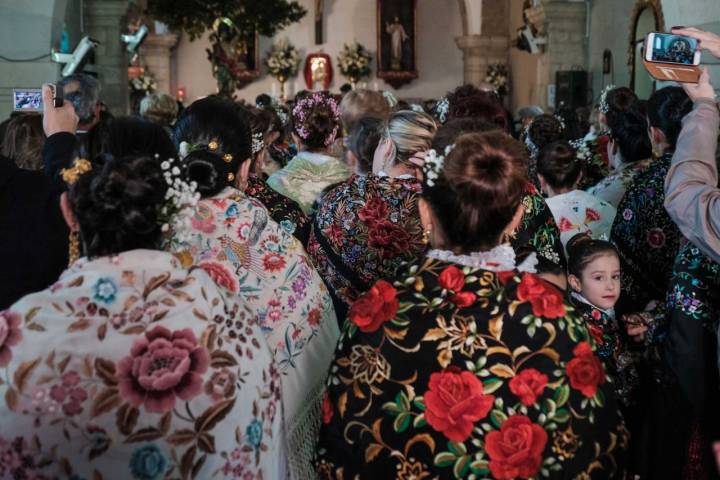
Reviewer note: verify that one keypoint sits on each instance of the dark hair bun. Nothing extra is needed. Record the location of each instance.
(629, 131)
(666, 109)
(117, 206)
(316, 120)
(206, 169)
(477, 194)
(544, 130)
(559, 166)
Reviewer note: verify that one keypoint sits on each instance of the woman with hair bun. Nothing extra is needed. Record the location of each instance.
(365, 227)
(233, 238)
(315, 127)
(575, 211)
(466, 363)
(544, 130)
(124, 366)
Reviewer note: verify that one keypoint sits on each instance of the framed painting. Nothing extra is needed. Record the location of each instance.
(396, 41)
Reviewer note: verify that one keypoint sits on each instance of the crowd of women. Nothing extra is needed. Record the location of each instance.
(356, 287)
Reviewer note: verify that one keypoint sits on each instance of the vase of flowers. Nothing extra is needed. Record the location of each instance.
(142, 84)
(354, 62)
(499, 77)
(283, 61)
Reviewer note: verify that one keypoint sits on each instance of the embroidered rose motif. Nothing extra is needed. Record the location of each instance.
(220, 275)
(505, 277)
(375, 307)
(463, 299)
(221, 385)
(454, 402)
(452, 278)
(105, 290)
(327, 409)
(374, 211)
(148, 463)
(546, 300)
(10, 335)
(161, 367)
(656, 238)
(314, 317)
(389, 239)
(273, 262)
(516, 450)
(528, 385)
(585, 371)
(69, 394)
(627, 214)
(203, 219)
(254, 434)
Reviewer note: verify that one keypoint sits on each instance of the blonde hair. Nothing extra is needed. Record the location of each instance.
(357, 104)
(159, 108)
(410, 132)
(24, 140)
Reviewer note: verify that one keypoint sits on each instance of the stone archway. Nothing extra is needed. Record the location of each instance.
(644, 11)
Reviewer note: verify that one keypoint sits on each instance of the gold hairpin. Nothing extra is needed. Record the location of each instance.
(231, 177)
(213, 145)
(72, 175)
(227, 158)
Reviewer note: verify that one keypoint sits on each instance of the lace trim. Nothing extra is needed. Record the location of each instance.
(499, 259)
(302, 432)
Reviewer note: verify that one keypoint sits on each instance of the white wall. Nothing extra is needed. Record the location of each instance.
(439, 60)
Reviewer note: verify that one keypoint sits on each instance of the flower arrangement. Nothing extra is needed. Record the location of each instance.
(499, 77)
(283, 60)
(354, 61)
(145, 83)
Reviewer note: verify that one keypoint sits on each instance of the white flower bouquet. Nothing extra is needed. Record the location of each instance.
(283, 60)
(354, 61)
(144, 83)
(499, 77)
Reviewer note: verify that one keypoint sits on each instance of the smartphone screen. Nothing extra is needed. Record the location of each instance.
(668, 48)
(27, 100)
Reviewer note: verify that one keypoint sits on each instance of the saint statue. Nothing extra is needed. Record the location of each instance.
(319, 69)
(397, 37)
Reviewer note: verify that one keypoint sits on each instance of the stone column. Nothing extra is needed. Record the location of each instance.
(563, 23)
(104, 21)
(479, 51)
(156, 52)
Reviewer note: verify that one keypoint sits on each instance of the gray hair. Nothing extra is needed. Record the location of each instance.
(87, 96)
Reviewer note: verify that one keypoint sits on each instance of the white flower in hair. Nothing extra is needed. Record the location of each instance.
(257, 143)
(443, 108)
(434, 164)
(603, 106)
(184, 149)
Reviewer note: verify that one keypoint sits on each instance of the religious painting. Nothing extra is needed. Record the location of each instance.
(397, 35)
(235, 56)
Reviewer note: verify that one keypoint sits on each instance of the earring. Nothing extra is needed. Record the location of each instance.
(426, 237)
(73, 247)
(231, 177)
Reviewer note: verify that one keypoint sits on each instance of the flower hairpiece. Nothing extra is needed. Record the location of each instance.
(533, 150)
(186, 149)
(417, 108)
(390, 98)
(442, 109)
(300, 114)
(257, 143)
(434, 164)
(561, 121)
(180, 201)
(583, 152)
(72, 175)
(603, 107)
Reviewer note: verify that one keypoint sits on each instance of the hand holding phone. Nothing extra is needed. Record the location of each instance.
(57, 119)
(708, 41)
(31, 99)
(669, 48)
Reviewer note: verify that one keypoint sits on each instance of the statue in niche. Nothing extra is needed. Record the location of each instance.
(397, 37)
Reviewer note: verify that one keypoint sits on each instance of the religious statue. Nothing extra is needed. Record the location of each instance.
(318, 67)
(398, 36)
(318, 71)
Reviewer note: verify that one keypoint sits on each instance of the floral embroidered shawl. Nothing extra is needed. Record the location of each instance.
(132, 367)
(306, 176)
(284, 211)
(234, 239)
(613, 187)
(453, 372)
(578, 212)
(363, 230)
(538, 229)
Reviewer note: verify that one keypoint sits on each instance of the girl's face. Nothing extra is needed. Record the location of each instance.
(600, 281)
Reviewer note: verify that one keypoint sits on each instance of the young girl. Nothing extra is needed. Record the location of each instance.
(594, 280)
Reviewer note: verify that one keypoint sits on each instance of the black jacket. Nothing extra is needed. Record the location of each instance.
(33, 233)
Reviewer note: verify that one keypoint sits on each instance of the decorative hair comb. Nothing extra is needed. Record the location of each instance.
(72, 175)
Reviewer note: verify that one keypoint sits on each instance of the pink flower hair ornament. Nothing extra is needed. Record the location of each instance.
(300, 115)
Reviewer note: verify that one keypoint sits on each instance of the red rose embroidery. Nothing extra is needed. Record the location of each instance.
(375, 307)
(314, 317)
(161, 367)
(546, 300)
(596, 334)
(656, 238)
(374, 211)
(452, 278)
(516, 450)
(334, 234)
(463, 299)
(327, 409)
(389, 239)
(273, 262)
(454, 402)
(530, 189)
(10, 335)
(220, 275)
(528, 385)
(565, 225)
(591, 215)
(596, 314)
(505, 277)
(585, 371)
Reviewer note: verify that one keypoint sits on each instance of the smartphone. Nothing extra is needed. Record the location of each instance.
(30, 99)
(669, 48)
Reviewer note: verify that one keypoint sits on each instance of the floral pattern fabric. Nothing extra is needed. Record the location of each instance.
(596, 166)
(459, 372)
(613, 187)
(538, 230)
(132, 367)
(306, 176)
(579, 212)
(284, 211)
(363, 230)
(233, 238)
(612, 348)
(646, 238)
